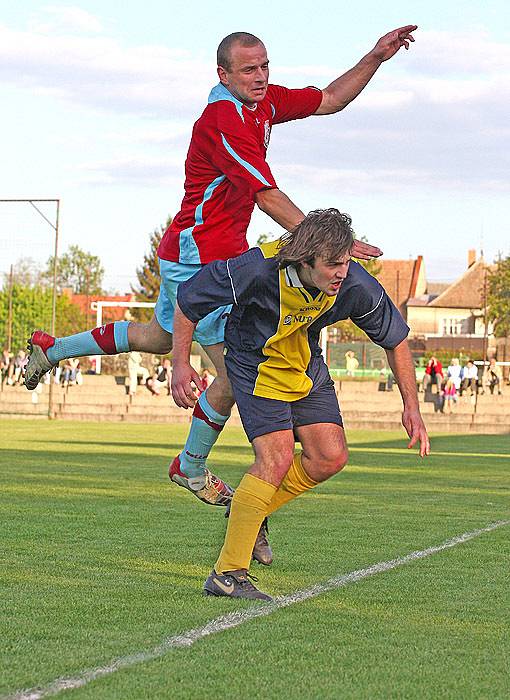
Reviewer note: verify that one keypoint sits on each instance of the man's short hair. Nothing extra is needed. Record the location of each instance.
(324, 233)
(244, 39)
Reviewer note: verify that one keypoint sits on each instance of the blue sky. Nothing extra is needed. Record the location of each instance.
(98, 101)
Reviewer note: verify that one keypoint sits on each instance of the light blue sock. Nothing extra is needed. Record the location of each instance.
(105, 340)
(206, 426)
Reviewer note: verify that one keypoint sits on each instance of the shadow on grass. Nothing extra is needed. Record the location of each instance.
(488, 444)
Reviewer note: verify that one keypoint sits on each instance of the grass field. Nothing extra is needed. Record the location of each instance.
(102, 558)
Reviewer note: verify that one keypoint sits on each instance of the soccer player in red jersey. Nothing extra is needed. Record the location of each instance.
(226, 175)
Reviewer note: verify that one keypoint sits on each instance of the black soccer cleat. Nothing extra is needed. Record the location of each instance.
(233, 584)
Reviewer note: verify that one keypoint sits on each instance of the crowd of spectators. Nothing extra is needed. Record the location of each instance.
(12, 366)
(12, 370)
(457, 381)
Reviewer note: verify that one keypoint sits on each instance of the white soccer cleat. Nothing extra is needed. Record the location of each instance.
(208, 487)
(38, 363)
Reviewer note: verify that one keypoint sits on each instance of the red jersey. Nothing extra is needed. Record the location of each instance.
(225, 168)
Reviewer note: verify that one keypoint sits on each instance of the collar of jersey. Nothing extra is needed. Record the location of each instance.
(292, 277)
(220, 92)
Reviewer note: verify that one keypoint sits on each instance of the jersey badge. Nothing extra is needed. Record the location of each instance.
(267, 133)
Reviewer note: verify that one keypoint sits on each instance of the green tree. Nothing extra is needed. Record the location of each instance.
(149, 278)
(32, 309)
(25, 272)
(498, 297)
(77, 269)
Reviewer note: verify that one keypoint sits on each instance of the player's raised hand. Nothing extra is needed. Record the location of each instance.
(390, 43)
(364, 251)
(183, 378)
(415, 428)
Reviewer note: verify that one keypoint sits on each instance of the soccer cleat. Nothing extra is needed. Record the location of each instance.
(207, 487)
(38, 363)
(233, 584)
(262, 551)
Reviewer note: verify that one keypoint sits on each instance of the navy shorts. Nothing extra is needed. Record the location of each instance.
(260, 416)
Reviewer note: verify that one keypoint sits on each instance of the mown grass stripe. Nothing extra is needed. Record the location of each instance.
(235, 619)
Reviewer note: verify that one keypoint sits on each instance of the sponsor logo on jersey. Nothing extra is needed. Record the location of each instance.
(300, 318)
(297, 318)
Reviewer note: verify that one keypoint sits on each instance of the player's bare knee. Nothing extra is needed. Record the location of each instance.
(274, 468)
(330, 463)
(223, 386)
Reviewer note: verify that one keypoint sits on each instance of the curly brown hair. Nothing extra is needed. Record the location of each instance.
(324, 233)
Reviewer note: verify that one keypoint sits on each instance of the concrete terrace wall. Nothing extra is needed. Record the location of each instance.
(101, 398)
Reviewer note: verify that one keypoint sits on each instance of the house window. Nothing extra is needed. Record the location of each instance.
(453, 326)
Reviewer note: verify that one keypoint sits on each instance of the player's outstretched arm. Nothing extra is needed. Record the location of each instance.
(282, 209)
(183, 374)
(348, 86)
(279, 207)
(402, 365)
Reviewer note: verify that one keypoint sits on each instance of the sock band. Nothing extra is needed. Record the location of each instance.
(112, 337)
(120, 333)
(198, 413)
(206, 425)
(209, 411)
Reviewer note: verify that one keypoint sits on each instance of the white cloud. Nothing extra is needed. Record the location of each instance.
(167, 170)
(462, 53)
(443, 109)
(65, 20)
(100, 72)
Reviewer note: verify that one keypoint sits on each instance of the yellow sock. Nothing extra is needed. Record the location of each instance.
(296, 482)
(248, 510)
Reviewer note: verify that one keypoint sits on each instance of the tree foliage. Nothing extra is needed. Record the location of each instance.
(25, 272)
(77, 269)
(32, 309)
(498, 297)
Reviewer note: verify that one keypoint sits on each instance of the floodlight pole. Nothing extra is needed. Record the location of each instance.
(54, 226)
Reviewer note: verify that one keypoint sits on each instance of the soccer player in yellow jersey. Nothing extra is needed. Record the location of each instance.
(282, 295)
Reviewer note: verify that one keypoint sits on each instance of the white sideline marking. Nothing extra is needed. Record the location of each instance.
(234, 619)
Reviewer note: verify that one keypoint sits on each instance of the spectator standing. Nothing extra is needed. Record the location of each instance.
(351, 363)
(136, 370)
